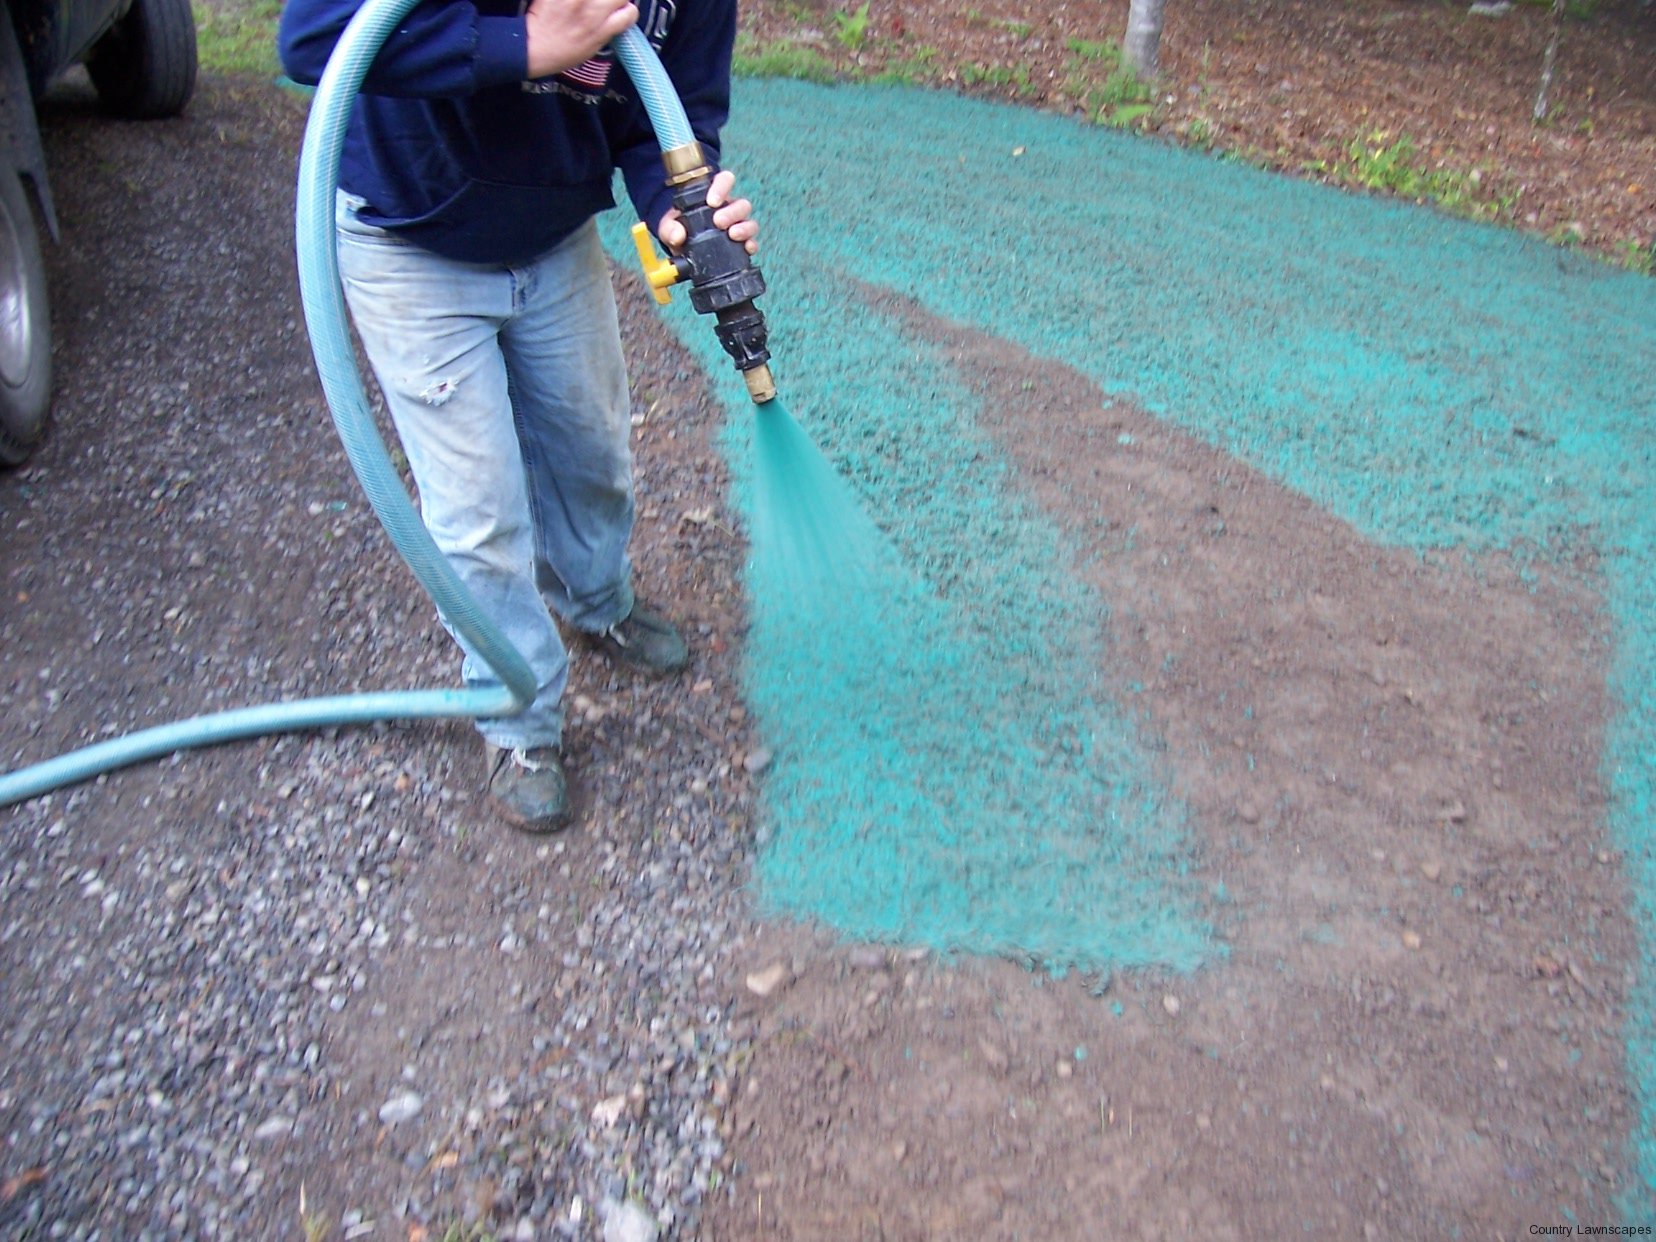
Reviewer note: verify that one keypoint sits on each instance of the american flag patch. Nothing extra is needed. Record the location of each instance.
(593, 74)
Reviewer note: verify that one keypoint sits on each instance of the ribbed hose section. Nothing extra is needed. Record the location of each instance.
(655, 90)
(325, 318)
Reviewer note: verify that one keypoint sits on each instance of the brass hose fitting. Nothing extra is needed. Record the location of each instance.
(723, 279)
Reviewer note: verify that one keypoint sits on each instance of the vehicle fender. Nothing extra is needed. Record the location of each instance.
(19, 130)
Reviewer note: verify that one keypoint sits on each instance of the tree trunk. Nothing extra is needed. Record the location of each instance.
(1144, 27)
(1540, 113)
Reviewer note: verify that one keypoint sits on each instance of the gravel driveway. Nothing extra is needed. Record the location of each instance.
(303, 986)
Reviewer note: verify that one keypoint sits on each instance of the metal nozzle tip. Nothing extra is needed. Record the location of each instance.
(761, 387)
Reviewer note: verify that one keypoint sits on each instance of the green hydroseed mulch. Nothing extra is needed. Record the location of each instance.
(947, 769)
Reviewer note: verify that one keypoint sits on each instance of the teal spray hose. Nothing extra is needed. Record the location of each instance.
(342, 383)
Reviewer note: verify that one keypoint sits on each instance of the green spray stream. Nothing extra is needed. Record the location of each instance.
(950, 781)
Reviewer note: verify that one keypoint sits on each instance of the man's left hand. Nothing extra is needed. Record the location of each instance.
(733, 215)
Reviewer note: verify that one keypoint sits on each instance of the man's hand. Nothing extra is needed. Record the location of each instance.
(733, 215)
(566, 33)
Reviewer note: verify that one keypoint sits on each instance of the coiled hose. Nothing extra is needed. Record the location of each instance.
(325, 318)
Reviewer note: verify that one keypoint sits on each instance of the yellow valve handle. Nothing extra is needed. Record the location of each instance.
(658, 272)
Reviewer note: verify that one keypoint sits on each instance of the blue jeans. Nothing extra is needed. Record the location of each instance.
(508, 390)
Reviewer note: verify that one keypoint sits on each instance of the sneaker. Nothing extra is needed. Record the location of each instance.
(527, 787)
(644, 640)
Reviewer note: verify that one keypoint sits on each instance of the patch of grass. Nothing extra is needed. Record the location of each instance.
(238, 40)
(1098, 77)
(1635, 257)
(1376, 161)
(1200, 133)
(1125, 115)
(782, 60)
(1566, 236)
(1252, 156)
(1010, 77)
(851, 28)
(1018, 30)
(1100, 50)
(919, 66)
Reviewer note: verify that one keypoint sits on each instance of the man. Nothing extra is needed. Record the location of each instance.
(482, 145)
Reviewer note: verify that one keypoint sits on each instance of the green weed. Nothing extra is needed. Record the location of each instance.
(1125, 115)
(1377, 162)
(237, 40)
(1566, 236)
(918, 66)
(1018, 30)
(1095, 49)
(782, 60)
(1379, 165)
(1097, 77)
(1014, 77)
(1636, 258)
(851, 28)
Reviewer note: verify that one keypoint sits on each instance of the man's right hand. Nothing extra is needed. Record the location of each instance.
(566, 33)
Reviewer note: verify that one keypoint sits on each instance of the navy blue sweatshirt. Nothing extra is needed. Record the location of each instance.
(454, 150)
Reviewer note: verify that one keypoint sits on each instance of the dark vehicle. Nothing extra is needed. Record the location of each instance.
(141, 57)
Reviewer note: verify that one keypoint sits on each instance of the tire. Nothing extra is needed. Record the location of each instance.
(25, 327)
(145, 67)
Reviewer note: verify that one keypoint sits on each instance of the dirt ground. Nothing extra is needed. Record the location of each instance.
(1391, 762)
(1404, 1040)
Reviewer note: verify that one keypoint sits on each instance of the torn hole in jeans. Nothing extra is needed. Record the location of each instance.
(438, 392)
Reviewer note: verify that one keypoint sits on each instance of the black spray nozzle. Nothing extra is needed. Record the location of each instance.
(723, 280)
